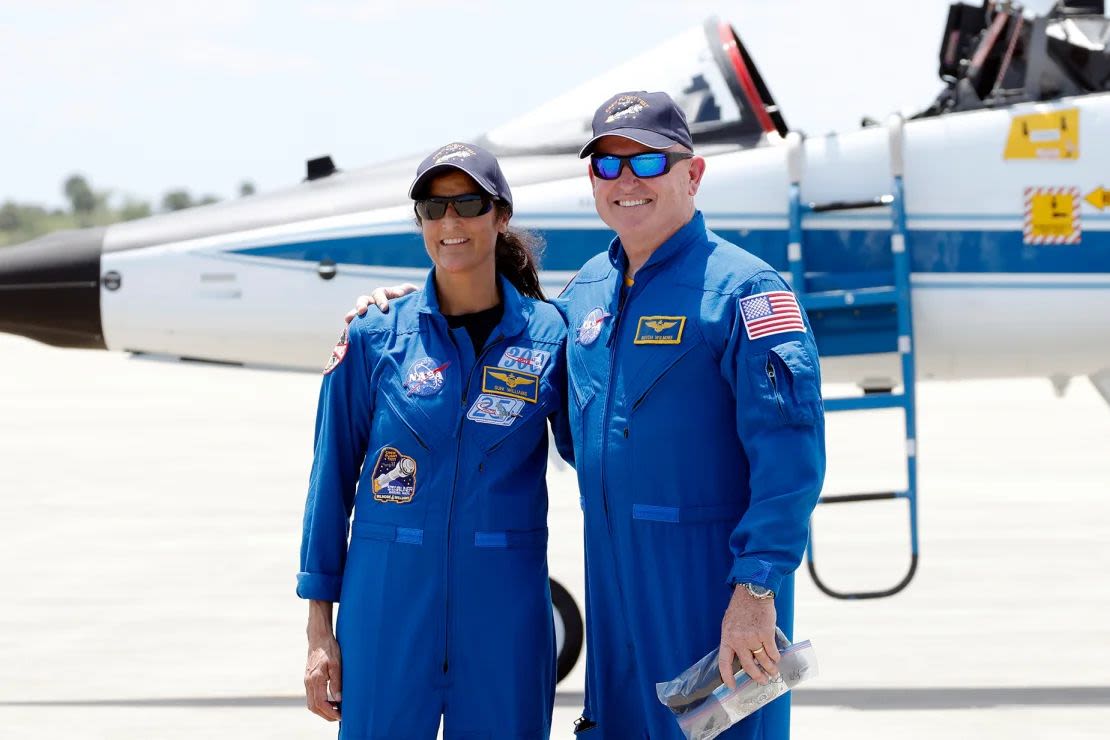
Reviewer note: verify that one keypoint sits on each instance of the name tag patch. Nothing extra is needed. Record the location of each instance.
(660, 330)
(511, 383)
(394, 477)
(490, 409)
(524, 358)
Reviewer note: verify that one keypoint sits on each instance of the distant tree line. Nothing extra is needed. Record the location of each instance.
(20, 222)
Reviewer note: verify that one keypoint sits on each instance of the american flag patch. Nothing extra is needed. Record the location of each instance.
(774, 312)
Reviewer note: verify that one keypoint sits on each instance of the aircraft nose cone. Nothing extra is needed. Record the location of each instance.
(50, 289)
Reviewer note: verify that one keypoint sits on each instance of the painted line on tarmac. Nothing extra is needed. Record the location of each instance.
(216, 702)
(859, 698)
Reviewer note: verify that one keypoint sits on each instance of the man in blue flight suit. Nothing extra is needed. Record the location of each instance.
(698, 365)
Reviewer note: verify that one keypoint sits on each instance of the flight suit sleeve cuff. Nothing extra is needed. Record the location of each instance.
(319, 587)
(754, 570)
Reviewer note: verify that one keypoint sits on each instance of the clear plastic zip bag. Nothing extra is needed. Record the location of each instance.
(704, 706)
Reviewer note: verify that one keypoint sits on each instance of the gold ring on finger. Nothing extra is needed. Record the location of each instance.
(756, 652)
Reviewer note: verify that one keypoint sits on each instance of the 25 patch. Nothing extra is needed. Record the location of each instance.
(394, 477)
(660, 330)
(490, 409)
(511, 383)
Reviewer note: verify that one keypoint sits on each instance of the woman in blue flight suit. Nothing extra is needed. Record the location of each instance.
(432, 429)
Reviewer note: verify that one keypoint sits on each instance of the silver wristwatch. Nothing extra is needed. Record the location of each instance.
(758, 591)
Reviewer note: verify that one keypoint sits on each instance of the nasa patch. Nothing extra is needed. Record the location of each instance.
(338, 352)
(511, 383)
(660, 330)
(490, 409)
(590, 328)
(425, 377)
(394, 477)
(524, 358)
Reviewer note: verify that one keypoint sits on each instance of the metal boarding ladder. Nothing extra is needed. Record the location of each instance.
(895, 295)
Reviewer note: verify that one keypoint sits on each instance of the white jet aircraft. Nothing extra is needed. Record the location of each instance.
(968, 241)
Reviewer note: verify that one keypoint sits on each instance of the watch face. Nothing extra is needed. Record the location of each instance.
(758, 591)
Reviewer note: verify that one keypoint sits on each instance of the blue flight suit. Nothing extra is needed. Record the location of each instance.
(700, 456)
(444, 604)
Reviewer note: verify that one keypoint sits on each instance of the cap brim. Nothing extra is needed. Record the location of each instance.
(649, 139)
(421, 182)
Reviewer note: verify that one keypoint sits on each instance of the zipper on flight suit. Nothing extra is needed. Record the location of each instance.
(454, 484)
(622, 304)
(412, 430)
(622, 300)
(775, 385)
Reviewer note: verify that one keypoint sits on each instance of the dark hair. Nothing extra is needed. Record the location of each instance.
(517, 256)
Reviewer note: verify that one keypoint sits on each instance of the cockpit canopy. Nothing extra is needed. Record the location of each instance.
(705, 69)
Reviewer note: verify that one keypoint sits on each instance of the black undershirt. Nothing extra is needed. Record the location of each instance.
(478, 325)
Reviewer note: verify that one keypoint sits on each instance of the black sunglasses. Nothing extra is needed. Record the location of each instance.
(466, 206)
(646, 164)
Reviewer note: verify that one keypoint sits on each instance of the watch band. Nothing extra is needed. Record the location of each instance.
(757, 591)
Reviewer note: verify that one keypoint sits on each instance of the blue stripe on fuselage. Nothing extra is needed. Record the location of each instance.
(841, 251)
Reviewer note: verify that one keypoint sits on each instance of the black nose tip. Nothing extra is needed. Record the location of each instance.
(50, 289)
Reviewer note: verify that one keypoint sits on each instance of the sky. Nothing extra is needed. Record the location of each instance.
(144, 97)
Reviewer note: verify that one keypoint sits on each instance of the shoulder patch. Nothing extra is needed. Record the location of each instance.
(339, 351)
(770, 313)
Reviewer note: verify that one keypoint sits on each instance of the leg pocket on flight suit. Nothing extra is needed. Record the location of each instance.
(508, 560)
(787, 384)
(370, 560)
(363, 619)
(684, 546)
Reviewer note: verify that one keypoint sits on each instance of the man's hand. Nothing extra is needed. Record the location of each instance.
(748, 633)
(380, 297)
(323, 676)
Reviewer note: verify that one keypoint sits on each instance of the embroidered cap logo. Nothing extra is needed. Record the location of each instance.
(453, 151)
(626, 106)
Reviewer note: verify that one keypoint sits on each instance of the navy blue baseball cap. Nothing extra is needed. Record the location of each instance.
(469, 158)
(648, 118)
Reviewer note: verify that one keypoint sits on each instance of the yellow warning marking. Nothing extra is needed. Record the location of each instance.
(1099, 198)
(1052, 216)
(1052, 135)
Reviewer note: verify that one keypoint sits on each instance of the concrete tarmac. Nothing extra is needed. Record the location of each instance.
(150, 522)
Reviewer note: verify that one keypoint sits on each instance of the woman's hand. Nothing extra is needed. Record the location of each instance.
(323, 675)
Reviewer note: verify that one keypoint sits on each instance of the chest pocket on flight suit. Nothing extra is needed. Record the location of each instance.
(786, 384)
(402, 423)
(678, 401)
(510, 470)
(588, 368)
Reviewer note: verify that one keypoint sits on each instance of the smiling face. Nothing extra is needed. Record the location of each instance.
(645, 211)
(461, 245)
